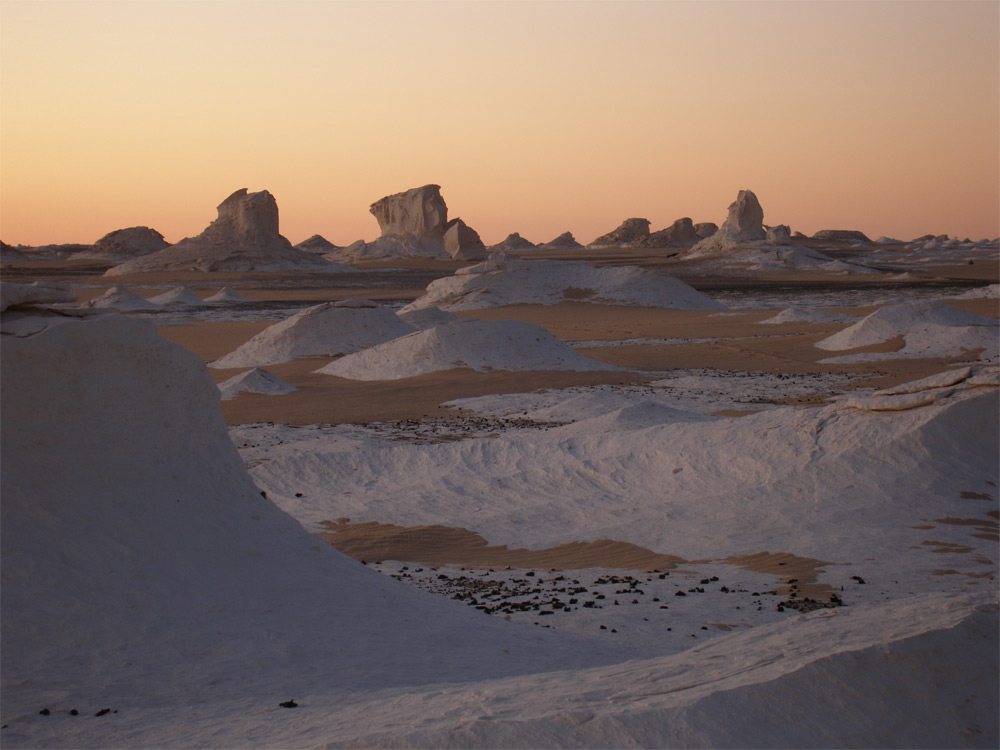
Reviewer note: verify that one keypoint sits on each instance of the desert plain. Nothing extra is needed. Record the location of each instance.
(745, 494)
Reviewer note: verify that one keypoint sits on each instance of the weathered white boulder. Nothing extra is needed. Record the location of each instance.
(706, 229)
(462, 242)
(779, 235)
(130, 242)
(745, 223)
(627, 232)
(38, 293)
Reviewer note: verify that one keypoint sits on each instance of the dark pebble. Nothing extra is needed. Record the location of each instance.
(45, 712)
(289, 704)
(103, 711)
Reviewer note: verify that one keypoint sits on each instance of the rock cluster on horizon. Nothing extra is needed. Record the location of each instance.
(513, 241)
(628, 231)
(244, 237)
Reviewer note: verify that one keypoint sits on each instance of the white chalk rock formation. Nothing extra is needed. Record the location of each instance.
(681, 232)
(475, 344)
(462, 242)
(564, 241)
(779, 235)
(121, 299)
(513, 241)
(254, 381)
(38, 293)
(929, 328)
(706, 229)
(317, 244)
(841, 235)
(179, 295)
(626, 233)
(427, 317)
(223, 296)
(502, 281)
(745, 223)
(418, 213)
(323, 330)
(130, 242)
(244, 237)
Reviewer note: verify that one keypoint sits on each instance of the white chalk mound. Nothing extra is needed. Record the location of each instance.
(427, 317)
(254, 381)
(930, 329)
(128, 243)
(179, 295)
(473, 344)
(323, 330)
(798, 315)
(244, 237)
(502, 281)
(121, 299)
(224, 295)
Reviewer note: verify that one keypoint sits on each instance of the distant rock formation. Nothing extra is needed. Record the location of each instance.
(462, 242)
(706, 229)
(38, 293)
(129, 243)
(513, 241)
(564, 241)
(418, 213)
(317, 244)
(745, 223)
(627, 232)
(779, 235)
(841, 235)
(244, 237)
(681, 232)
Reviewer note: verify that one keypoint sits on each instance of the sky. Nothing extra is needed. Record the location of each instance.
(533, 117)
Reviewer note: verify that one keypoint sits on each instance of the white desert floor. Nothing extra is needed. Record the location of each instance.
(716, 537)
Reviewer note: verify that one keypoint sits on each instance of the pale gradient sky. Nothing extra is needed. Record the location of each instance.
(533, 117)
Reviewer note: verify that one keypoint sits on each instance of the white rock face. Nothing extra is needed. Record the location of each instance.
(427, 317)
(626, 233)
(127, 243)
(502, 281)
(681, 232)
(419, 212)
(317, 244)
(475, 344)
(224, 295)
(564, 241)
(745, 223)
(244, 237)
(462, 242)
(323, 330)
(779, 235)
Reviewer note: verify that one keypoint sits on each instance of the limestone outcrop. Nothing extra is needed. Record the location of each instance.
(419, 213)
(564, 241)
(244, 237)
(745, 223)
(681, 232)
(317, 244)
(462, 242)
(130, 242)
(706, 229)
(628, 231)
(513, 241)
(843, 235)
(779, 235)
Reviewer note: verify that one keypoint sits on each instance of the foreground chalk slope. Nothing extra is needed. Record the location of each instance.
(142, 568)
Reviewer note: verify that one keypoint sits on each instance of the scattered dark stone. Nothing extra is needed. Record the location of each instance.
(635, 601)
(263, 494)
(613, 630)
(703, 627)
(73, 712)
(656, 598)
(679, 593)
(604, 627)
(530, 573)
(103, 711)
(45, 712)
(289, 704)
(859, 579)
(298, 494)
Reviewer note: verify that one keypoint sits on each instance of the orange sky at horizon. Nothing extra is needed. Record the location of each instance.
(534, 117)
